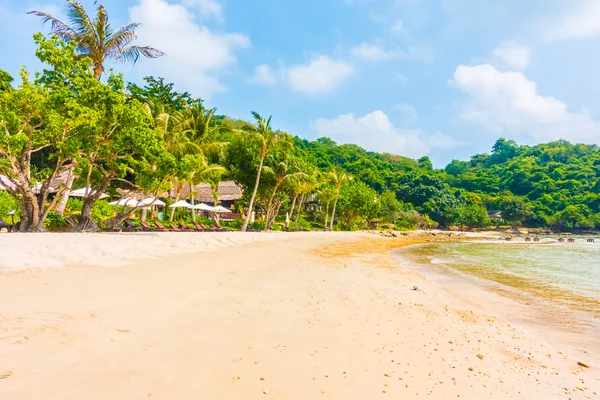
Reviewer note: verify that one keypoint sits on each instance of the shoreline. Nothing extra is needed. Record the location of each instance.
(519, 307)
(297, 317)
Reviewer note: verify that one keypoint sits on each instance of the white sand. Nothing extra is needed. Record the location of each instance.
(51, 250)
(275, 319)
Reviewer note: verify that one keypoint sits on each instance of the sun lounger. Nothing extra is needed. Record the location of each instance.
(203, 228)
(174, 227)
(147, 228)
(161, 227)
(131, 227)
(188, 228)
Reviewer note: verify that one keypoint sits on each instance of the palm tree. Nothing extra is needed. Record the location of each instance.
(282, 175)
(95, 38)
(327, 195)
(337, 178)
(266, 138)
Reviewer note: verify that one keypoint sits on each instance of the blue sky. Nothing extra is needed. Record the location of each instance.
(443, 78)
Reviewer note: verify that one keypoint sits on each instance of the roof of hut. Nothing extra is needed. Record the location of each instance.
(495, 214)
(228, 191)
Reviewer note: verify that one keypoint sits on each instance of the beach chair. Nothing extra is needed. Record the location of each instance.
(147, 228)
(204, 228)
(161, 227)
(131, 227)
(174, 227)
(187, 228)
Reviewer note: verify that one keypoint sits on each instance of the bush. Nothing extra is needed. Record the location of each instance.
(7, 203)
(74, 206)
(102, 210)
(54, 222)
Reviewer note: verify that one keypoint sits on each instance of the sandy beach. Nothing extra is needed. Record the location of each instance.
(254, 316)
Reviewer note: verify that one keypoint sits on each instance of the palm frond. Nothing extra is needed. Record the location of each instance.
(83, 25)
(133, 53)
(57, 27)
(122, 38)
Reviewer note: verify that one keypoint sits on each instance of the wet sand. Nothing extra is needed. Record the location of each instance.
(299, 317)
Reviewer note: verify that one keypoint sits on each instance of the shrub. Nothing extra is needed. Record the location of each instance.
(55, 222)
(102, 210)
(7, 203)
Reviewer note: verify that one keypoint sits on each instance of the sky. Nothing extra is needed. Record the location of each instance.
(437, 78)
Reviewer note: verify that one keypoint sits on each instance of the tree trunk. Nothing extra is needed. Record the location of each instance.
(62, 205)
(287, 223)
(333, 213)
(300, 209)
(326, 214)
(86, 223)
(179, 189)
(30, 218)
(269, 208)
(251, 205)
(192, 202)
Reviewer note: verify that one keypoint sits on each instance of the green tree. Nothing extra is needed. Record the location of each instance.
(34, 118)
(337, 178)
(514, 210)
(472, 216)
(157, 91)
(265, 139)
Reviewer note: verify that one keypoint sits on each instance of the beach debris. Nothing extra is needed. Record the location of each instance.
(123, 330)
(6, 374)
(480, 356)
(582, 364)
(416, 289)
(265, 391)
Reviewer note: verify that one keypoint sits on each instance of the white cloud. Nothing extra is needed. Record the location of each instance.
(515, 55)
(263, 75)
(509, 103)
(582, 21)
(194, 54)
(371, 52)
(206, 8)
(398, 27)
(375, 132)
(320, 75)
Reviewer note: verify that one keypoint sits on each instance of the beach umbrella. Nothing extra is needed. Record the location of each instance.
(181, 204)
(151, 201)
(203, 207)
(84, 192)
(125, 202)
(222, 209)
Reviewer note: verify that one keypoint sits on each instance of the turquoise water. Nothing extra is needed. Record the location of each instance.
(563, 280)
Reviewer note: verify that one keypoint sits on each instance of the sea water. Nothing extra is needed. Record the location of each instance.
(556, 286)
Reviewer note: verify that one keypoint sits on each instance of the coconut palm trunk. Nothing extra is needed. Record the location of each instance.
(300, 208)
(251, 205)
(333, 213)
(287, 222)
